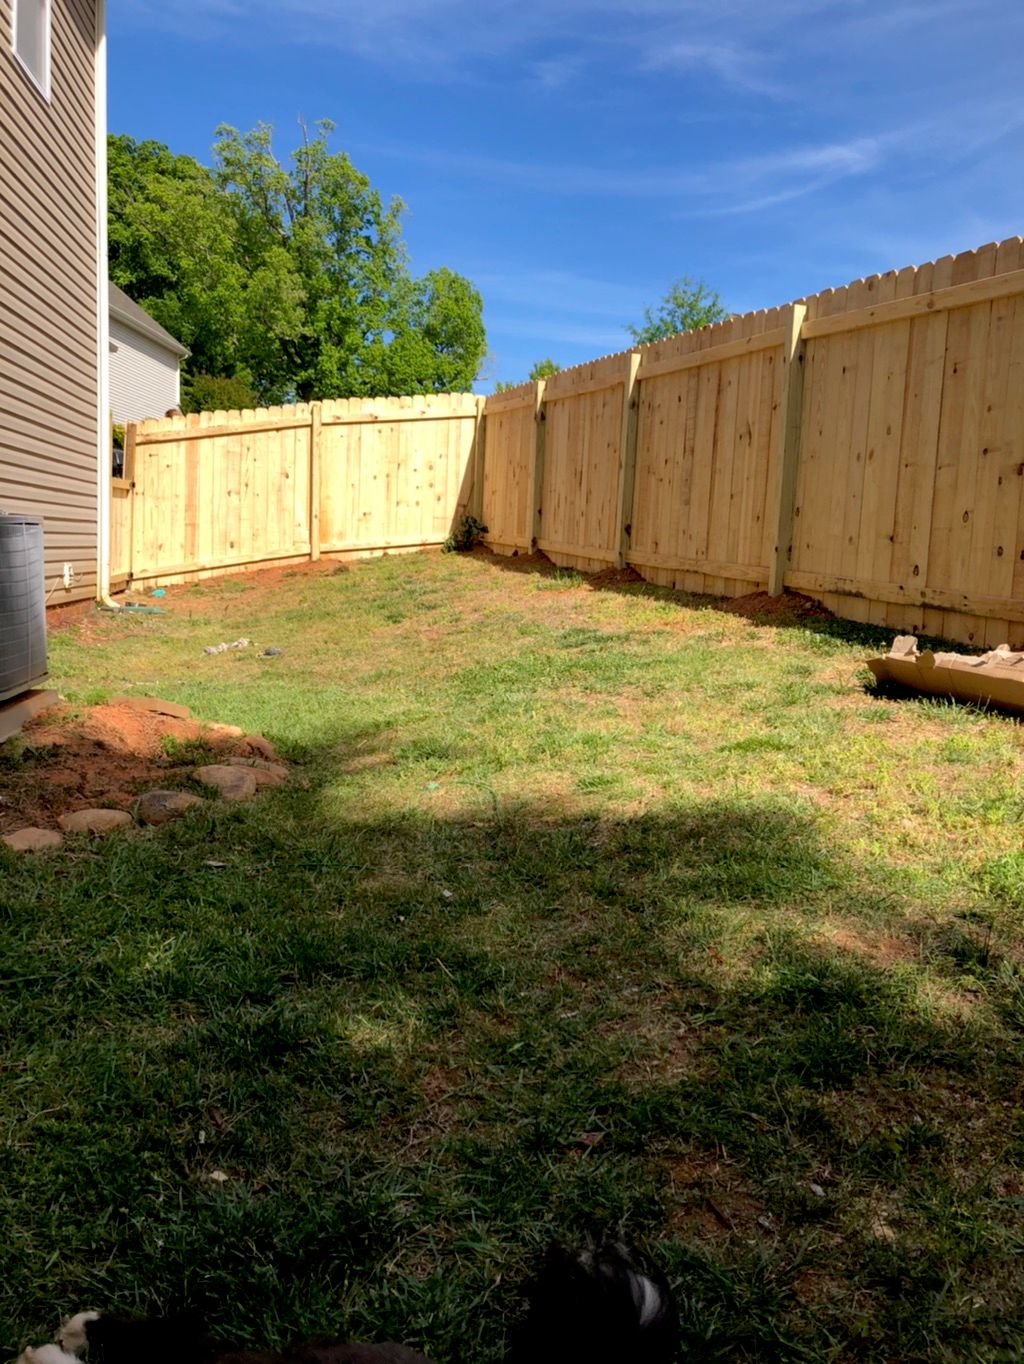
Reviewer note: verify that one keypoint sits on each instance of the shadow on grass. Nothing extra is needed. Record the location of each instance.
(794, 612)
(317, 1073)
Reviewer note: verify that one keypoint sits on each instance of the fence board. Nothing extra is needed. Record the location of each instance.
(906, 452)
(234, 489)
(579, 487)
(907, 447)
(508, 473)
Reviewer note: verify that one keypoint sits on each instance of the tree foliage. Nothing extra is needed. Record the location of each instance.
(543, 369)
(293, 280)
(217, 393)
(689, 304)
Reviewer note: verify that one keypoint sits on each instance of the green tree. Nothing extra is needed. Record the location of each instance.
(218, 393)
(689, 304)
(543, 369)
(175, 249)
(292, 279)
(370, 327)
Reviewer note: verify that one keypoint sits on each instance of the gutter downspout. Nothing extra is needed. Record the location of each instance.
(103, 472)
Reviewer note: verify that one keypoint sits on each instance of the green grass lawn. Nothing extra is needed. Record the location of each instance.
(585, 909)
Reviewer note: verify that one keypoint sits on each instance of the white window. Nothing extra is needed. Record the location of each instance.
(32, 40)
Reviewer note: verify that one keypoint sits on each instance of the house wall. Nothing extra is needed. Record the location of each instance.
(144, 379)
(48, 295)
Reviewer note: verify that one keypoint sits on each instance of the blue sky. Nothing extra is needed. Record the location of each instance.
(574, 157)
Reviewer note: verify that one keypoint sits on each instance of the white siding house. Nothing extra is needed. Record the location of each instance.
(145, 360)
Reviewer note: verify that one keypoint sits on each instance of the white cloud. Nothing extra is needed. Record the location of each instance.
(737, 67)
(439, 38)
(725, 185)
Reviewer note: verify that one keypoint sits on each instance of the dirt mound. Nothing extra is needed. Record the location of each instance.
(614, 577)
(517, 562)
(71, 758)
(787, 605)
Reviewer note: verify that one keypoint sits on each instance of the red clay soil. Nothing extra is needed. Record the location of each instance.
(103, 756)
(538, 561)
(614, 577)
(788, 605)
(515, 563)
(60, 617)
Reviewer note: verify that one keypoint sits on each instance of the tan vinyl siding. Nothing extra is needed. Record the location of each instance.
(143, 375)
(48, 323)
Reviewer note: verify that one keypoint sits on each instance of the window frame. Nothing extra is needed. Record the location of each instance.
(43, 88)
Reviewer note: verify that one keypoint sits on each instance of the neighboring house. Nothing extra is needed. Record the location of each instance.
(145, 360)
(54, 450)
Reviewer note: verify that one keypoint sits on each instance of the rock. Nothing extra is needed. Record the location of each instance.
(154, 704)
(232, 783)
(271, 775)
(266, 774)
(220, 648)
(272, 652)
(33, 840)
(263, 748)
(157, 807)
(226, 731)
(94, 821)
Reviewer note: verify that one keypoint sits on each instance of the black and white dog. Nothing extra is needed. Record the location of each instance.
(604, 1305)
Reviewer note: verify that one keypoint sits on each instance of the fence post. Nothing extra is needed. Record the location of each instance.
(314, 481)
(476, 508)
(779, 523)
(627, 458)
(536, 488)
(131, 436)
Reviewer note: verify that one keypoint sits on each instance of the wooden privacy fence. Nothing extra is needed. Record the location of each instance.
(219, 491)
(864, 445)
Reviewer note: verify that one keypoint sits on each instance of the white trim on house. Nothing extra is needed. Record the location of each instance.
(103, 449)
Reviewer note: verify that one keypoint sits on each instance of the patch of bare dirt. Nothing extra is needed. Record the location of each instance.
(440, 1082)
(710, 1201)
(61, 617)
(880, 951)
(818, 1288)
(514, 563)
(101, 756)
(614, 577)
(251, 584)
(538, 562)
(279, 575)
(786, 606)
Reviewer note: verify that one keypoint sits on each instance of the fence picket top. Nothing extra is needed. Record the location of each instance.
(707, 338)
(609, 369)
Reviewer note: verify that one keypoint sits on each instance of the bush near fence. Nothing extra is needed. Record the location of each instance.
(864, 445)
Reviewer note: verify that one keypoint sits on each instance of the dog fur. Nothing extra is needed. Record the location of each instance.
(606, 1304)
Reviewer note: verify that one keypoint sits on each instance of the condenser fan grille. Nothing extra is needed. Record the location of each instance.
(22, 605)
